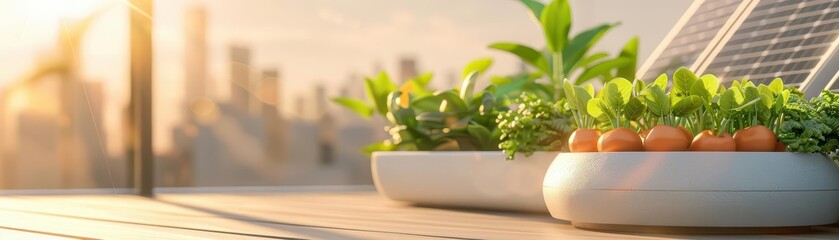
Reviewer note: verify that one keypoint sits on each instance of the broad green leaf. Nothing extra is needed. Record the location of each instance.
(763, 89)
(767, 101)
(427, 103)
(711, 83)
(699, 89)
(661, 81)
(780, 101)
(657, 101)
(634, 109)
(451, 102)
(750, 93)
(776, 85)
(589, 89)
(377, 90)
(556, 22)
(432, 117)
(683, 79)
(481, 133)
(735, 85)
(594, 108)
(639, 86)
(624, 87)
(514, 84)
(613, 96)
(580, 45)
(629, 51)
(525, 53)
(468, 87)
(500, 80)
(355, 105)
(585, 62)
(601, 69)
(487, 103)
(535, 8)
(570, 94)
(738, 95)
(687, 105)
(747, 83)
(728, 101)
(478, 65)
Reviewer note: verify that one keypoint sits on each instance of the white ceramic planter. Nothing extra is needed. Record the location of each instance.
(463, 179)
(689, 189)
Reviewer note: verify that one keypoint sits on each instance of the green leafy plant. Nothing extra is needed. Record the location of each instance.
(811, 126)
(567, 56)
(422, 119)
(536, 125)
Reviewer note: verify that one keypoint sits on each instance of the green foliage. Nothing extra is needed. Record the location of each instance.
(537, 125)
(810, 126)
(423, 119)
(568, 56)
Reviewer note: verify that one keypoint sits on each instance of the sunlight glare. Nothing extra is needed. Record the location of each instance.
(54, 10)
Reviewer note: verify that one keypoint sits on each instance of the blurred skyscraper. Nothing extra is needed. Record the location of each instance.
(240, 77)
(407, 69)
(326, 127)
(195, 53)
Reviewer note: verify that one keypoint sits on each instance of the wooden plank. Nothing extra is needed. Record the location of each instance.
(165, 217)
(16, 233)
(324, 215)
(20, 225)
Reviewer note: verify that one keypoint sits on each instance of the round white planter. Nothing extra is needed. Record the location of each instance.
(463, 179)
(689, 189)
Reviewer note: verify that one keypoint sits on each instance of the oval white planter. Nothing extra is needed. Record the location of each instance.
(463, 179)
(689, 189)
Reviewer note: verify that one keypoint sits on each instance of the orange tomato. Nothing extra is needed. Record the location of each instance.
(666, 138)
(755, 139)
(620, 140)
(583, 140)
(780, 147)
(708, 141)
(686, 132)
(644, 133)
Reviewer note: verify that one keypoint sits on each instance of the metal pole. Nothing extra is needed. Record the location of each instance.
(141, 92)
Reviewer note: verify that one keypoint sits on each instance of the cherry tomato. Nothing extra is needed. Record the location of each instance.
(620, 140)
(755, 139)
(666, 138)
(708, 141)
(583, 140)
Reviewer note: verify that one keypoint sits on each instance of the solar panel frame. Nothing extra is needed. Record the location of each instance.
(833, 85)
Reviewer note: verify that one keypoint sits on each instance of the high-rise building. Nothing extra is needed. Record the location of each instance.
(407, 69)
(36, 151)
(240, 80)
(326, 128)
(195, 81)
(275, 125)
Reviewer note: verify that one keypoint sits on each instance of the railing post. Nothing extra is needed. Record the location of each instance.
(141, 92)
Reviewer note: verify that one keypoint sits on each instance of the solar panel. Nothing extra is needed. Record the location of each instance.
(699, 30)
(791, 39)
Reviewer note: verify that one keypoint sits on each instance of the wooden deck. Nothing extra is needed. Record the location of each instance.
(285, 213)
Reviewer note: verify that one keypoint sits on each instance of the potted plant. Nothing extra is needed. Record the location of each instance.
(444, 145)
(698, 154)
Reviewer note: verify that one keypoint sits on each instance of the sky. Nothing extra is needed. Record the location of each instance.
(309, 41)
